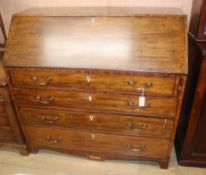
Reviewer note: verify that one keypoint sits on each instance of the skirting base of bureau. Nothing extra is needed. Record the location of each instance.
(163, 163)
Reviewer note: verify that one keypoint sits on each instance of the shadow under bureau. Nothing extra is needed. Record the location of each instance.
(105, 83)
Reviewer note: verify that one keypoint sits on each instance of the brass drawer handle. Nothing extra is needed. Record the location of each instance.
(39, 100)
(53, 140)
(48, 120)
(132, 105)
(147, 84)
(139, 149)
(43, 83)
(138, 127)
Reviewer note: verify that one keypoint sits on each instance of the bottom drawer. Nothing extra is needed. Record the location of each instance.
(97, 143)
(7, 135)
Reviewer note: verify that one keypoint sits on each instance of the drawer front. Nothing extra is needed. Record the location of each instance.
(99, 143)
(98, 101)
(97, 122)
(6, 135)
(91, 80)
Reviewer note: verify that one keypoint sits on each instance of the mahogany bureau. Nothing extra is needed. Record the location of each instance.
(105, 83)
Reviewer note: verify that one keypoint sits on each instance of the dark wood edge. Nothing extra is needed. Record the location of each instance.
(105, 71)
(177, 148)
(201, 22)
(2, 45)
(190, 163)
(185, 162)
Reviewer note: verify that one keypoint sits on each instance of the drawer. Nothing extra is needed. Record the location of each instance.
(6, 135)
(95, 101)
(92, 80)
(98, 122)
(97, 143)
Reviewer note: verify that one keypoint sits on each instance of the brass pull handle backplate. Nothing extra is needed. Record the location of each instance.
(140, 148)
(132, 105)
(147, 84)
(48, 119)
(49, 100)
(53, 140)
(137, 127)
(43, 83)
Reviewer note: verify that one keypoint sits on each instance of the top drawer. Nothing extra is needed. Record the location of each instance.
(95, 80)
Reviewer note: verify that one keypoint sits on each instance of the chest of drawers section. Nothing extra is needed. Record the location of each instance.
(97, 114)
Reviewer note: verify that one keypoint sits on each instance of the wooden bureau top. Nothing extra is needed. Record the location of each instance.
(122, 39)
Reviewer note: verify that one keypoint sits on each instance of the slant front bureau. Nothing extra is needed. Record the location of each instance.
(105, 83)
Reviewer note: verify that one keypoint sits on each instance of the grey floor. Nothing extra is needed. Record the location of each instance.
(53, 163)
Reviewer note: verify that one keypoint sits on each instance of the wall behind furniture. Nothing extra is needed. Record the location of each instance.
(8, 7)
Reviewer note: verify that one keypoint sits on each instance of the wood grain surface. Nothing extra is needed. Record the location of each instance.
(143, 43)
(98, 143)
(94, 80)
(112, 102)
(97, 122)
